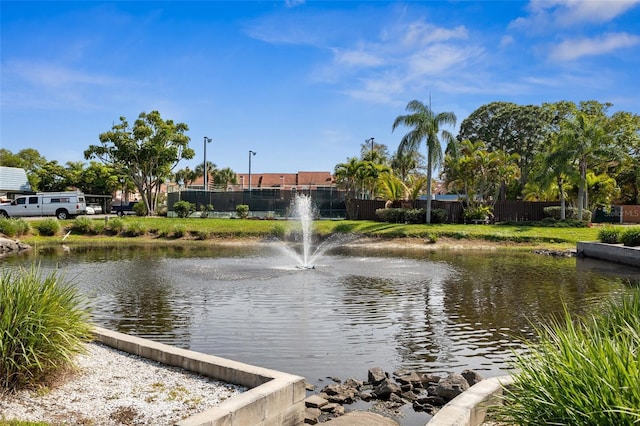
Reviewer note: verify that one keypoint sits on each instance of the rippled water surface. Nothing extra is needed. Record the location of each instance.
(430, 311)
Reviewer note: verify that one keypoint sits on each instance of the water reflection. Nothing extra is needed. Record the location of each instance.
(430, 311)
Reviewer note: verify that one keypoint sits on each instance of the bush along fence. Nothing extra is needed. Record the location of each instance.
(452, 212)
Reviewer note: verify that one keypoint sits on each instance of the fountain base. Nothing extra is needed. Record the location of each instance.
(306, 267)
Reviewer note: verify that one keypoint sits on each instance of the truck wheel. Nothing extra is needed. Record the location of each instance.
(3, 214)
(120, 213)
(62, 214)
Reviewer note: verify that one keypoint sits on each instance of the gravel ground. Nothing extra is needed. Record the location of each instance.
(115, 388)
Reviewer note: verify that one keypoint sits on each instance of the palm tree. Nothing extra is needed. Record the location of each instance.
(425, 125)
(225, 177)
(348, 177)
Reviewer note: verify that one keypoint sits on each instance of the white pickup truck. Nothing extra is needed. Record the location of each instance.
(63, 205)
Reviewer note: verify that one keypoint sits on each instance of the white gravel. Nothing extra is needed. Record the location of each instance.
(116, 388)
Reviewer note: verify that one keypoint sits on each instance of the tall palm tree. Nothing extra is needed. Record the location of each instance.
(348, 177)
(425, 125)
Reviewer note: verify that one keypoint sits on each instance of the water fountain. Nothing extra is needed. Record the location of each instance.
(303, 210)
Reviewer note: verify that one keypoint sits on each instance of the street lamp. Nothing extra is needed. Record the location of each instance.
(370, 140)
(206, 141)
(250, 154)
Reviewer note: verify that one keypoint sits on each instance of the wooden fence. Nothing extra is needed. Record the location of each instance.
(517, 211)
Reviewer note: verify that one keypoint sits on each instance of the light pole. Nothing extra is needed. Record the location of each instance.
(250, 154)
(370, 140)
(206, 141)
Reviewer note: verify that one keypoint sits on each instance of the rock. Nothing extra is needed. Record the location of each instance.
(472, 377)
(330, 407)
(315, 401)
(366, 395)
(311, 416)
(412, 378)
(429, 379)
(386, 388)
(8, 246)
(376, 375)
(451, 386)
(432, 400)
(353, 383)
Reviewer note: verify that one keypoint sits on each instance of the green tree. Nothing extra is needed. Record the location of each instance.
(99, 179)
(425, 125)
(52, 177)
(225, 177)
(512, 128)
(146, 153)
(348, 178)
(185, 176)
(212, 170)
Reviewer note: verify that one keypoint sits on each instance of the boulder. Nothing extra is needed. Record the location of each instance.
(472, 377)
(386, 388)
(376, 375)
(451, 386)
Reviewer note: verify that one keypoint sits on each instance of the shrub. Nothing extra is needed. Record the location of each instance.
(391, 215)
(205, 210)
(48, 227)
(115, 226)
(82, 225)
(14, 227)
(439, 216)
(609, 235)
(415, 216)
(630, 237)
(570, 213)
(242, 210)
(135, 229)
(140, 208)
(278, 231)
(582, 372)
(179, 230)
(184, 208)
(478, 213)
(43, 323)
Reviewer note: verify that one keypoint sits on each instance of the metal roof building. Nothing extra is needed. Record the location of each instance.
(13, 180)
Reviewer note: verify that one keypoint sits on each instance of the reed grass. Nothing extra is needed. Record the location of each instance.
(43, 324)
(580, 372)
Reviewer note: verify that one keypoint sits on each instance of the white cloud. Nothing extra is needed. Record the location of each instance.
(357, 58)
(573, 49)
(546, 14)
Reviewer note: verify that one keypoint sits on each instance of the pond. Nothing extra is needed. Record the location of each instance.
(431, 311)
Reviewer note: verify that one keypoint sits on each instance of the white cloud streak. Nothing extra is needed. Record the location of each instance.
(569, 50)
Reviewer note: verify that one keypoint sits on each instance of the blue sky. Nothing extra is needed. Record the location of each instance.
(302, 83)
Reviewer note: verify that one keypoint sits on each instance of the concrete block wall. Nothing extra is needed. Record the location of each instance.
(274, 398)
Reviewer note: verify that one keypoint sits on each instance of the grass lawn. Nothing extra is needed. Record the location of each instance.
(162, 228)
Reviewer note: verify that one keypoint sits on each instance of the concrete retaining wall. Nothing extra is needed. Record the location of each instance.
(611, 252)
(470, 407)
(273, 398)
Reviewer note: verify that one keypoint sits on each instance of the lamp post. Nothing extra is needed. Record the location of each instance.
(206, 141)
(250, 154)
(370, 140)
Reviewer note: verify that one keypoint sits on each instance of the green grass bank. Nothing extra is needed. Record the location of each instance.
(161, 229)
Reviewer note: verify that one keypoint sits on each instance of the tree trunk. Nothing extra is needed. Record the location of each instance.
(429, 166)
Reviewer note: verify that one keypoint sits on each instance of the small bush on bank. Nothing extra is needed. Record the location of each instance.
(183, 208)
(570, 213)
(439, 216)
(115, 226)
(82, 225)
(14, 227)
(179, 230)
(140, 208)
(48, 227)
(609, 235)
(548, 222)
(135, 229)
(630, 237)
(580, 372)
(43, 323)
(242, 210)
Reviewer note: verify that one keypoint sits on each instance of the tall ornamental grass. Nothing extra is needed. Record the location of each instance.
(43, 324)
(584, 372)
